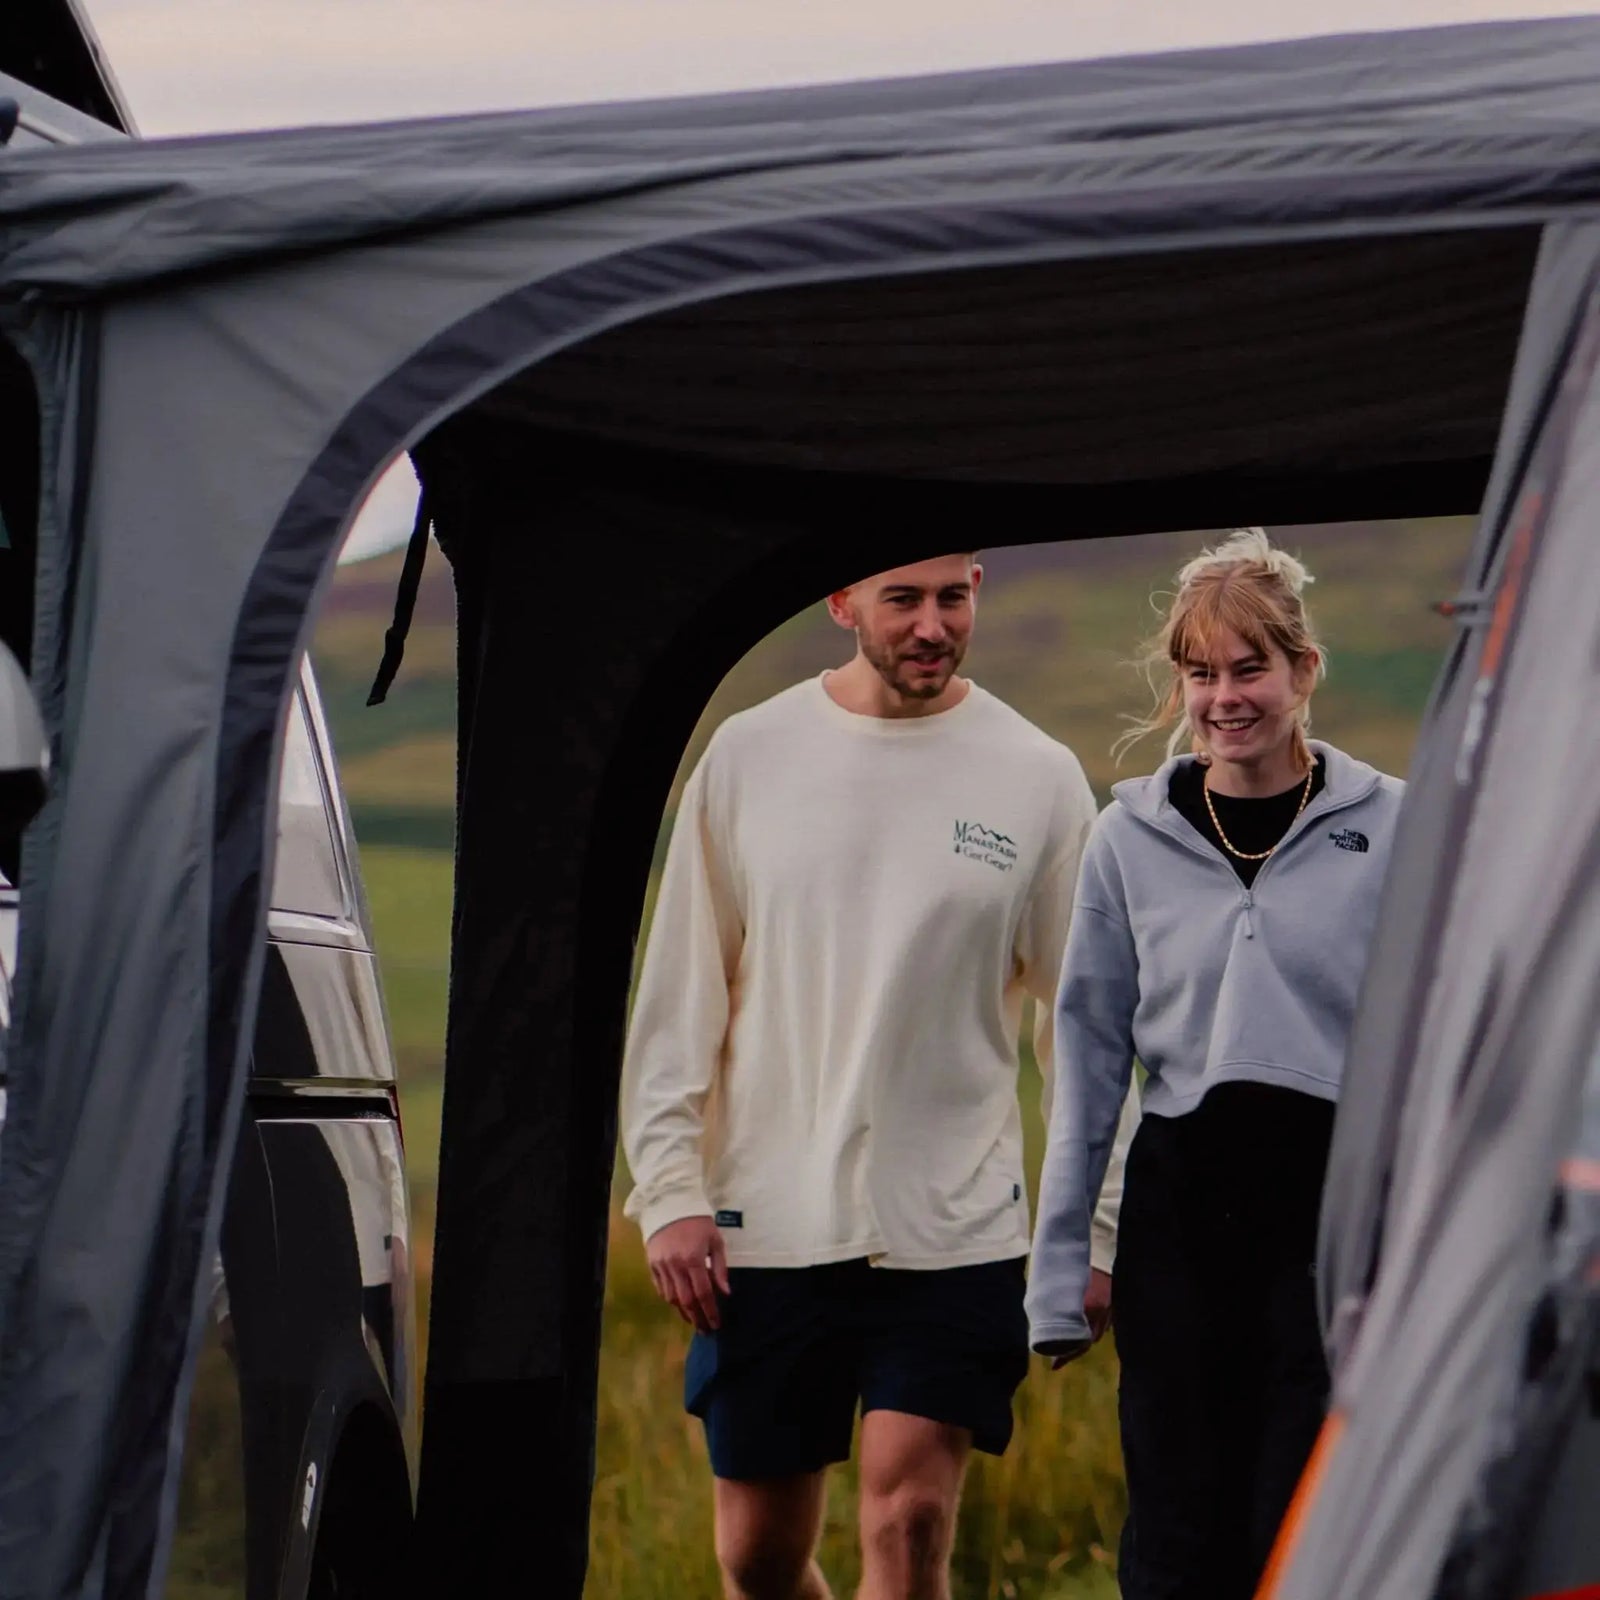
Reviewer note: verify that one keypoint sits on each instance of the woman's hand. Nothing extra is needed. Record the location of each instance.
(1097, 1309)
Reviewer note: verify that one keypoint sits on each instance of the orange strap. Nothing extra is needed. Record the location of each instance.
(1305, 1492)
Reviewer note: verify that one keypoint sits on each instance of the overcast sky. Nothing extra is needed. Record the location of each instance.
(190, 66)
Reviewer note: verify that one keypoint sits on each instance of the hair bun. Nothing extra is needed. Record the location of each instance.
(1248, 547)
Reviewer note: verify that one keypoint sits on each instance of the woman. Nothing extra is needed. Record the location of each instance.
(1223, 913)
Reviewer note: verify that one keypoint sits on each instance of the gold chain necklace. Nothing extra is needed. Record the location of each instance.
(1305, 795)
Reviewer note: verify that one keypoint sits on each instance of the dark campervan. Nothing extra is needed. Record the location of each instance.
(299, 1458)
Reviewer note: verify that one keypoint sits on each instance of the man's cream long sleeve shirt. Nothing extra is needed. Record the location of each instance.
(823, 1049)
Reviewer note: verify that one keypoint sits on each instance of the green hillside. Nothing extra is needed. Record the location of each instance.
(1057, 627)
(397, 759)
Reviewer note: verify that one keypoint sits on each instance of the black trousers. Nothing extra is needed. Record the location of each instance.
(1224, 1382)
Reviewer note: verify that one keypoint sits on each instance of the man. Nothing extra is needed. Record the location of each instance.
(868, 873)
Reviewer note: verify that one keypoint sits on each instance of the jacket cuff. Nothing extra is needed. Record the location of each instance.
(657, 1211)
(1067, 1337)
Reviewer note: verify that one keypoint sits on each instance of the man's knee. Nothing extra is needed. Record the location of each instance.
(910, 1526)
(762, 1561)
(766, 1533)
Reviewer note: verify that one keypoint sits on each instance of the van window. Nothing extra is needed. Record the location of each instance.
(307, 875)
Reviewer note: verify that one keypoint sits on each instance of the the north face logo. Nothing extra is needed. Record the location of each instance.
(1349, 839)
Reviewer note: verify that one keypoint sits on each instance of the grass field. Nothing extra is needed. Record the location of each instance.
(1054, 638)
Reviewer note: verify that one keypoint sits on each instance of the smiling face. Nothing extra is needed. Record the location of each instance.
(1243, 701)
(913, 624)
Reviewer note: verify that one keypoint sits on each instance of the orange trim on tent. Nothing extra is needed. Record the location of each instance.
(1305, 1492)
(1581, 1172)
(1511, 584)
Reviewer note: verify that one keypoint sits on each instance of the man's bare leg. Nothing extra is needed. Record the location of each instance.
(911, 1471)
(767, 1534)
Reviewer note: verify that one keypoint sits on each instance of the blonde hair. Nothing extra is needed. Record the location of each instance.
(1245, 585)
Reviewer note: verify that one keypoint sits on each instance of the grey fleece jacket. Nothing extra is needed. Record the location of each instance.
(1172, 959)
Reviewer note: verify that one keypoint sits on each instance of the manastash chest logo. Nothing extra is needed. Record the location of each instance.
(978, 843)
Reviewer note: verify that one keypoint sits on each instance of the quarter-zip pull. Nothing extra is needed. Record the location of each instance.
(1249, 926)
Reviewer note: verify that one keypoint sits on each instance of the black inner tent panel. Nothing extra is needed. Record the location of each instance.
(628, 517)
(601, 594)
(1343, 362)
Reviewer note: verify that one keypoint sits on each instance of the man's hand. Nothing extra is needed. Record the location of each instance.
(689, 1266)
(1097, 1303)
(1096, 1308)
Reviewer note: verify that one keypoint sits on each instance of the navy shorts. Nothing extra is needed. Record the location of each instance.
(799, 1348)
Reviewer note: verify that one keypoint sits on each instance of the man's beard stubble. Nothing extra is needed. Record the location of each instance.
(889, 665)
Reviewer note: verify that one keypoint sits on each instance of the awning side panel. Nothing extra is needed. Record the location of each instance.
(1508, 971)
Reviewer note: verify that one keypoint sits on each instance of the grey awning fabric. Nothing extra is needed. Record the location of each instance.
(1477, 1035)
(1489, 121)
(730, 352)
(1384, 1051)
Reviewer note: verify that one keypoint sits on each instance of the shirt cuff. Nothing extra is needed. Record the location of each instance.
(659, 1210)
(1102, 1246)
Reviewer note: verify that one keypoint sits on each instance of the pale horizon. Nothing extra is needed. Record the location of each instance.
(192, 66)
